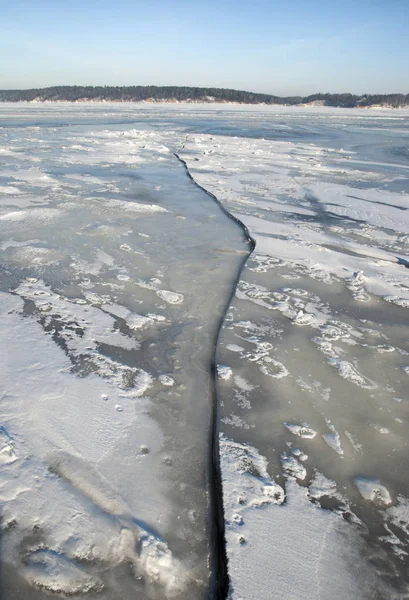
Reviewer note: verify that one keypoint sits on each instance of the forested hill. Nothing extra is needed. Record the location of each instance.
(193, 94)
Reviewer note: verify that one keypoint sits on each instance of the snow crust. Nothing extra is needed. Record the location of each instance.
(313, 400)
(240, 171)
(279, 545)
(44, 459)
(311, 312)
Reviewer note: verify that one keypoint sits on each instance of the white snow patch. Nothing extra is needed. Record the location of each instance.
(166, 380)
(332, 439)
(304, 430)
(373, 490)
(321, 486)
(170, 297)
(292, 467)
(224, 372)
(234, 348)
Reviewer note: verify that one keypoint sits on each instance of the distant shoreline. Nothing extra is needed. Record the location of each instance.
(87, 101)
(193, 95)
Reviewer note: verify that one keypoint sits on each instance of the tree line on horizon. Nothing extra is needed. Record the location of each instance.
(139, 93)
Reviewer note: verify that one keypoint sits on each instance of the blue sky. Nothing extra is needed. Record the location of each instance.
(273, 46)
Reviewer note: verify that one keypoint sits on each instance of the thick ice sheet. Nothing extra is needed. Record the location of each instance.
(112, 286)
(96, 223)
(284, 547)
(317, 333)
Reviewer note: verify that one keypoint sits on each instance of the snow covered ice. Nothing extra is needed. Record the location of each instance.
(116, 274)
(110, 309)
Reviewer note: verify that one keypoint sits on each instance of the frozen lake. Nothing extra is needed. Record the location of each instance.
(117, 275)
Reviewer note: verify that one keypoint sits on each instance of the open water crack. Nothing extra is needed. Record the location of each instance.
(219, 575)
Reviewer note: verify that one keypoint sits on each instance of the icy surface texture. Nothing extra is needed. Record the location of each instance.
(315, 347)
(115, 271)
(115, 274)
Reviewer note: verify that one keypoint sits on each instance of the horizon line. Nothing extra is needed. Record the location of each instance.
(27, 89)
